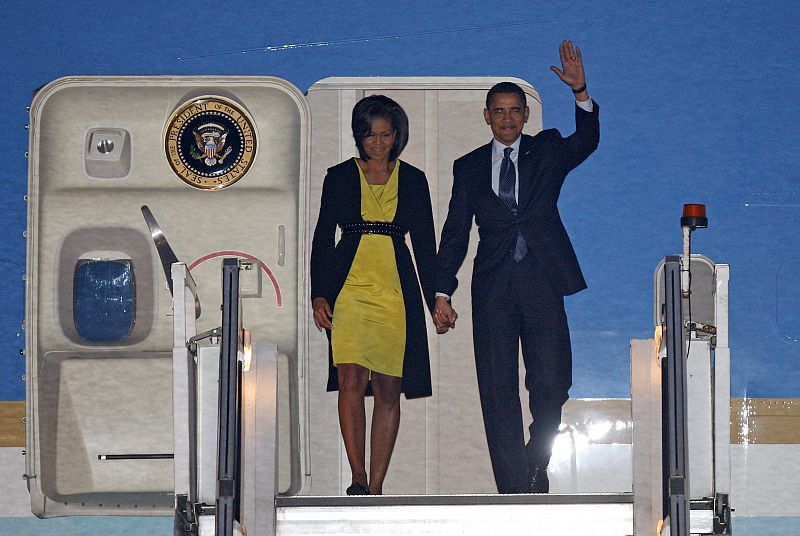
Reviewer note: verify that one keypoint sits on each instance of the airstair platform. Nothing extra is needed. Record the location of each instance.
(603, 514)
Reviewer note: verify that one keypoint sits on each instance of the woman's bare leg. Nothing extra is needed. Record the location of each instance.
(353, 381)
(385, 423)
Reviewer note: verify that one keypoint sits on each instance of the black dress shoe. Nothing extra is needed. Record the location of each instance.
(538, 481)
(357, 489)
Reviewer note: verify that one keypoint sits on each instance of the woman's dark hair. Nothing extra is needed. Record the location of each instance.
(379, 107)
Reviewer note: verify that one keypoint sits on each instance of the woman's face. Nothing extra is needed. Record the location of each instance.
(378, 143)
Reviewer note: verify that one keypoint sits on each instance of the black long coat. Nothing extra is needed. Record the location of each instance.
(331, 262)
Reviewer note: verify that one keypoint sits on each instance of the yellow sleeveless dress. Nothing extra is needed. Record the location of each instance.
(369, 321)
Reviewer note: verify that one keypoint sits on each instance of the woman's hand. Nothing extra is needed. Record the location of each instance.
(322, 313)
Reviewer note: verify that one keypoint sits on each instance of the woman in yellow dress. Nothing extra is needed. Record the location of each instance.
(365, 291)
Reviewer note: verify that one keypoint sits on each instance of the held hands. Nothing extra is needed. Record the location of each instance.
(322, 313)
(444, 316)
(571, 72)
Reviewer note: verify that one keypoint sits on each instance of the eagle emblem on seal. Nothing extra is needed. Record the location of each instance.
(210, 144)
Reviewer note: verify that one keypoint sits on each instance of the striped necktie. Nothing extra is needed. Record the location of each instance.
(508, 178)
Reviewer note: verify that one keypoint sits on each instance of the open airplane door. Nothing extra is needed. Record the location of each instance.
(445, 116)
(222, 163)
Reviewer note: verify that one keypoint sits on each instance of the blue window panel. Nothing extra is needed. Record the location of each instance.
(104, 299)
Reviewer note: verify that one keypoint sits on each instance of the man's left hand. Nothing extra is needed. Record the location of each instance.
(571, 72)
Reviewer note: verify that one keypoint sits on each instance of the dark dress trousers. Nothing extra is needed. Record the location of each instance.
(331, 261)
(518, 302)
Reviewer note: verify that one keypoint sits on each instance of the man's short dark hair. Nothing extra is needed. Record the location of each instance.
(506, 87)
(379, 107)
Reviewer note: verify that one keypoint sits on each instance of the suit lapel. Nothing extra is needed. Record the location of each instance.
(527, 155)
(484, 173)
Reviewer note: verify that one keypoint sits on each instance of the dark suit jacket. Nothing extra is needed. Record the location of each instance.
(544, 161)
(331, 262)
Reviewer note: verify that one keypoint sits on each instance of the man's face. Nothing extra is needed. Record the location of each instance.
(506, 116)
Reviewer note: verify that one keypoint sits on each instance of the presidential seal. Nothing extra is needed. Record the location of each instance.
(210, 142)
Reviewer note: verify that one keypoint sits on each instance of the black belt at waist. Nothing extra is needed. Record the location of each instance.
(374, 227)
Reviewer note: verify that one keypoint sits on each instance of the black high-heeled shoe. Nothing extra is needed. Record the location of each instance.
(357, 489)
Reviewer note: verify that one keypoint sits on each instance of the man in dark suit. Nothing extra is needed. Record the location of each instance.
(524, 267)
